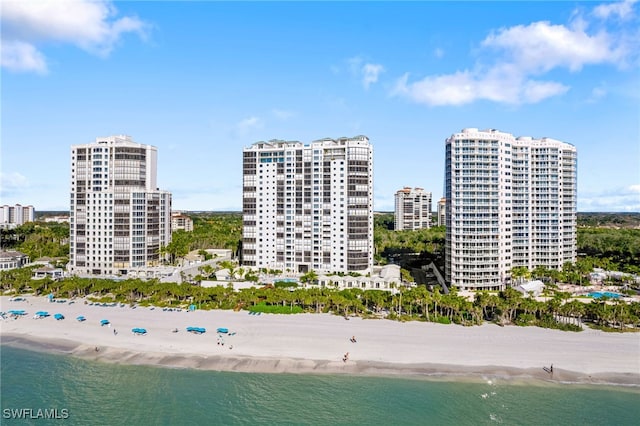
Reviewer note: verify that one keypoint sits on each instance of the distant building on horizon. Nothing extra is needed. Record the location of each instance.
(119, 219)
(510, 202)
(180, 221)
(57, 219)
(16, 215)
(309, 207)
(412, 209)
(442, 212)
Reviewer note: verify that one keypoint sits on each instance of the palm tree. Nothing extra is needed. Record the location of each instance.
(512, 297)
(310, 277)
(520, 273)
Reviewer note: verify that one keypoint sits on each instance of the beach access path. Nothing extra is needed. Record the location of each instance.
(316, 343)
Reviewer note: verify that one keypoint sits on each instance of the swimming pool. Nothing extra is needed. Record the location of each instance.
(599, 294)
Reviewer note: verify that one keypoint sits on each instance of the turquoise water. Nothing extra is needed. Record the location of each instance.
(95, 393)
(599, 294)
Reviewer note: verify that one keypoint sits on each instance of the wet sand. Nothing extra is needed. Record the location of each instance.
(316, 344)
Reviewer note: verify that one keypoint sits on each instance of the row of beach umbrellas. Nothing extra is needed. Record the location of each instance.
(137, 331)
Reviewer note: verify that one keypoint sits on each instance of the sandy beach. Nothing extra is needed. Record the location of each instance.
(317, 343)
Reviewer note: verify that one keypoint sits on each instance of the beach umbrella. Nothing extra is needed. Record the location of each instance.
(59, 316)
(104, 322)
(223, 330)
(81, 318)
(42, 313)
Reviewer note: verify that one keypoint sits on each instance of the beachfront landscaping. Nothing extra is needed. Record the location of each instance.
(556, 309)
(610, 248)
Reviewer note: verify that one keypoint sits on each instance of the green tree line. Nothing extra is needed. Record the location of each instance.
(607, 248)
(505, 307)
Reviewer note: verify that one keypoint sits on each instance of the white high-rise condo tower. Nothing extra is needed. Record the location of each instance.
(510, 202)
(13, 216)
(309, 207)
(119, 218)
(412, 209)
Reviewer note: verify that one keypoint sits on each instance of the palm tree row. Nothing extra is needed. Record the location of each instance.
(418, 303)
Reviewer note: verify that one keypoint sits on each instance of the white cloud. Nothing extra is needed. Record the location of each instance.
(536, 91)
(438, 53)
(18, 56)
(367, 72)
(370, 74)
(282, 114)
(524, 53)
(466, 87)
(622, 10)
(10, 182)
(92, 25)
(248, 124)
(597, 93)
(541, 46)
(614, 200)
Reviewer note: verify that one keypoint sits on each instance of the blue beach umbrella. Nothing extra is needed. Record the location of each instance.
(81, 318)
(104, 322)
(59, 316)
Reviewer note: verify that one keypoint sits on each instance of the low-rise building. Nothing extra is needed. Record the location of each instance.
(47, 271)
(385, 278)
(57, 219)
(12, 260)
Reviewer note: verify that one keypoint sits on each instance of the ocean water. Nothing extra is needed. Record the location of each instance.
(81, 392)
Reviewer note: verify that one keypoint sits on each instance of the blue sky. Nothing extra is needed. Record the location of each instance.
(201, 80)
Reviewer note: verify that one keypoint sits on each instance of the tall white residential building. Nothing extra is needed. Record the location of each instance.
(119, 219)
(412, 209)
(442, 211)
(12, 216)
(510, 202)
(309, 207)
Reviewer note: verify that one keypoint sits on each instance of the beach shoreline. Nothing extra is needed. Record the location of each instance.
(317, 343)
